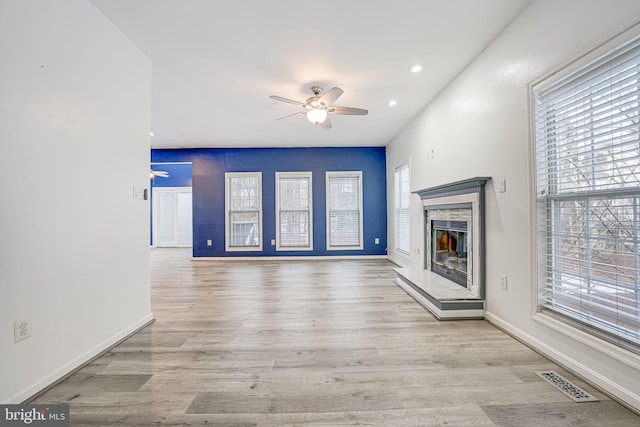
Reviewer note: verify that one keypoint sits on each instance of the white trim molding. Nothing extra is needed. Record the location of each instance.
(625, 396)
(72, 366)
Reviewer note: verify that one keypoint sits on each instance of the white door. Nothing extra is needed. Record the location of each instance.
(172, 217)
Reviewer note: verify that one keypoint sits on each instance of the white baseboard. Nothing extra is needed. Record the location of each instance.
(622, 394)
(400, 261)
(68, 368)
(287, 258)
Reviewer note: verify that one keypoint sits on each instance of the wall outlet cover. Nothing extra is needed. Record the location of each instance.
(503, 281)
(21, 329)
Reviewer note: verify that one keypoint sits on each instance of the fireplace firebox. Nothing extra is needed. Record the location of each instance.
(449, 250)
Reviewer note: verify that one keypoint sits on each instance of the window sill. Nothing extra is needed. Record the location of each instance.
(620, 354)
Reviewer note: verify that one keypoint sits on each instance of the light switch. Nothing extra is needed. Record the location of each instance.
(503, 185)
(503, 281)
(138, 192)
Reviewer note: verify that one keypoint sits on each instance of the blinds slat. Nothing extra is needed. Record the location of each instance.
(618, 56)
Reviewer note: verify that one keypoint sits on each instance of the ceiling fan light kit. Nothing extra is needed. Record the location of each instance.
(317, 116)
(317, 108)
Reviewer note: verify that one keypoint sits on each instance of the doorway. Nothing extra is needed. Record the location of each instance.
(172, 217)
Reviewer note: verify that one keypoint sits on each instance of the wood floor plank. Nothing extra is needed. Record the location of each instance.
(595, 414)
(312, 343)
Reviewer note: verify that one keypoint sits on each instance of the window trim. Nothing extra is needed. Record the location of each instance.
(280, 175)
(574, 68)
(227, 222)
(396, 184)
(328, 176)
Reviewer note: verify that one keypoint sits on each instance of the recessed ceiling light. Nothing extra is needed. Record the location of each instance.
(416, 68)
(151, 133)
(392, 103)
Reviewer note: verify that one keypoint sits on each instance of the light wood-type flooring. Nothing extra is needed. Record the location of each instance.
(313, 343)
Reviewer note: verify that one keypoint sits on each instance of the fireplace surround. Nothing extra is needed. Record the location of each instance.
(451, 282)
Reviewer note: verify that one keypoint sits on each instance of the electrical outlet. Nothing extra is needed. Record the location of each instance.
(21, 329)
(503, 281)
(376, 240)
(273, 242)
(209, 242)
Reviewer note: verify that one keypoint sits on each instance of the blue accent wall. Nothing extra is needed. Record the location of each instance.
(180, 175)
(210, 165)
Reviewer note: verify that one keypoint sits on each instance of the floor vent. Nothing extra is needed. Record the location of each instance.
(566, 386)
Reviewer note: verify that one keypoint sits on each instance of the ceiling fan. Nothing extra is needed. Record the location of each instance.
(317, 107)
(161, 174)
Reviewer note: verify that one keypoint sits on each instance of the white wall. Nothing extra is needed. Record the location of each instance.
(74, 244)
(479, 126)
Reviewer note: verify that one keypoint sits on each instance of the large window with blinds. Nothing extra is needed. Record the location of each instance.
(294, 211)
(587, 142)
(243, 208)
(344, 210)
(402, 213)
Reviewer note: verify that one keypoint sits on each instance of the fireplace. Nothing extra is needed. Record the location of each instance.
(449, 250)
(450, 283)
(454, 232)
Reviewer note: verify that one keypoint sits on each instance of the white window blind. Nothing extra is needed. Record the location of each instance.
(402, 225)
(294, 216)
(344, 210)
(244, 211)
(588, 196)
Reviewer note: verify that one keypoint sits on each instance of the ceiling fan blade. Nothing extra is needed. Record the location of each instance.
(163, 174)
(331, 96)
(287, 100)
(291, 115)
(326, 124)
(348, 111)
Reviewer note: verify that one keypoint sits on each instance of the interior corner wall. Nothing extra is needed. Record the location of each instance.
(74, 124)
(480, 126)
(210, 165)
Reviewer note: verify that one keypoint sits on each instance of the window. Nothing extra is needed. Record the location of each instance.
(293, 216)
(344, 210)
(243, 206)
(587, 126)
(402, 213)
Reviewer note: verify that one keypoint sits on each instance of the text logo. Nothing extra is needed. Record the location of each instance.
(34, 415)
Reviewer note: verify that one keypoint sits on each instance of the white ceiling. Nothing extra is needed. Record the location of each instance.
(215, 63)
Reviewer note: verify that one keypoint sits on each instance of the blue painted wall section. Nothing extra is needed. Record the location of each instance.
(180, 175)
(210, 165)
